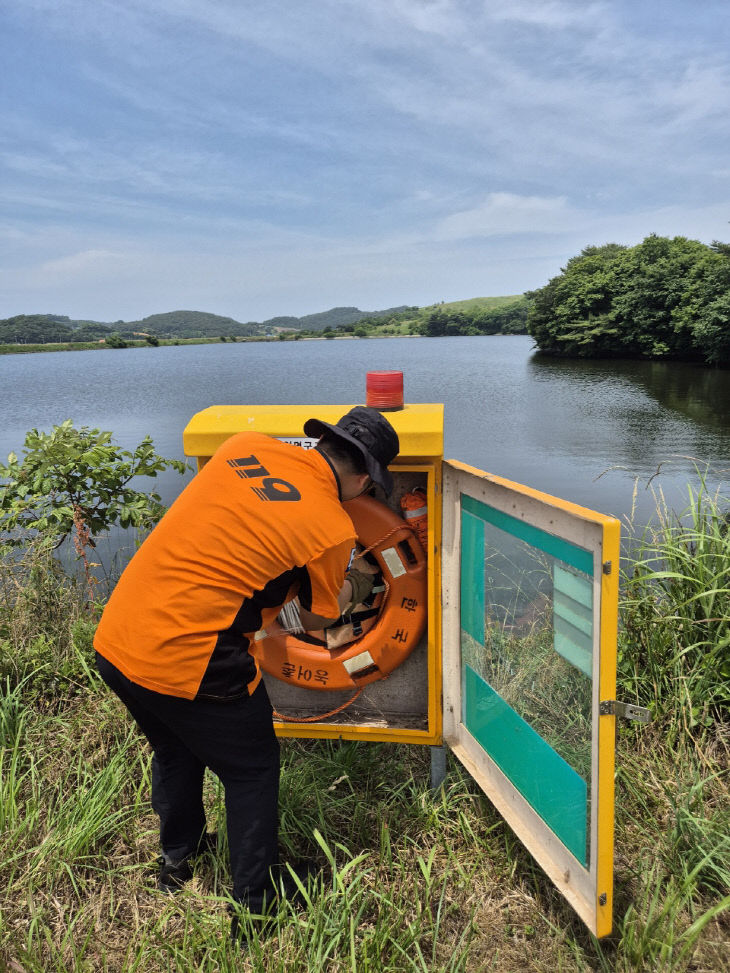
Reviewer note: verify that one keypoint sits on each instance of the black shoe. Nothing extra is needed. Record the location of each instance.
(208, 845)
(174, 874)
(287, 886)
(262, 907)
(238, 935)
(260, 920)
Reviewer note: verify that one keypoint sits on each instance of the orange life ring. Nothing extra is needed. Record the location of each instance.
(393, 636)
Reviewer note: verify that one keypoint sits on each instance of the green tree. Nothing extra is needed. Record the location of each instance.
(77, 480)
(665, 298)
(152, 339)
(704, 310)
(115, 340)
(437, 324)
(90, 332)
(571, 314)
(444, 321)
(34, 329)
(508, 319)
(650, 280)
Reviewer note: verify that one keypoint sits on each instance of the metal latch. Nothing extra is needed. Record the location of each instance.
(627, 711)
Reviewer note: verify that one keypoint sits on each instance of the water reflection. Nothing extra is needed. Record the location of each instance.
(638, 418)
(698, 394)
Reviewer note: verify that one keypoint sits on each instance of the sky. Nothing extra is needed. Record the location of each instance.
(255, 158)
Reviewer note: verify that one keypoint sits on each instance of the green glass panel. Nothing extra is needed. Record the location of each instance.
(573, 622)
(472, 570)
(578, 557)
(543, 778)
(574, 586)
(526, 656)
(573, 612)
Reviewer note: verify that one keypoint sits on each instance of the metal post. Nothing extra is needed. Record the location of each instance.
(438, 767)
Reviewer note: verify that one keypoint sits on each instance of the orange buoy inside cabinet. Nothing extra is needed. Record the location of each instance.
(396, 631)
(415, 511)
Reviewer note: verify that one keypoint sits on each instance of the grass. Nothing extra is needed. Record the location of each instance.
(411, 880)
(676, 654)
(475, 303)
(27, 349)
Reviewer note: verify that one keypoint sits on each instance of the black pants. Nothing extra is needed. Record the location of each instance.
(236, 740)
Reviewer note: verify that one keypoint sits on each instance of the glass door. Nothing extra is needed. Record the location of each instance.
(530, 602)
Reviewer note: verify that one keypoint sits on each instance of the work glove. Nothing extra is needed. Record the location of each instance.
(362, 584)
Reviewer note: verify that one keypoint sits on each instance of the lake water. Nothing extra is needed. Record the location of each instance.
(585, 431)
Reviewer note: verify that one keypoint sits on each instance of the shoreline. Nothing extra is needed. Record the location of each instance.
(52, 347)
(31, 349)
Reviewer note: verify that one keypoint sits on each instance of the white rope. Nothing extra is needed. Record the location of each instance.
(290, 619)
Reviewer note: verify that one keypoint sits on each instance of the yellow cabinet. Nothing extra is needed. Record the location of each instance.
(517, 666)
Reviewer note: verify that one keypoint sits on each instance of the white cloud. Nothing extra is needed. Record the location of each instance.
(440, 18)
(552, 14)
(506, 214)
(79, 264)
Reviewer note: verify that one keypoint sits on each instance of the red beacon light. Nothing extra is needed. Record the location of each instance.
(384, 391)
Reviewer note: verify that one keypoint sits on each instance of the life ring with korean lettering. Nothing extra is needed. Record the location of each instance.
(389, 639)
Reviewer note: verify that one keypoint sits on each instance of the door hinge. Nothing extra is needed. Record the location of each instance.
(607, 567)
(627, 711)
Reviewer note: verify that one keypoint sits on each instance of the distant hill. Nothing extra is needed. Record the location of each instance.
(338, 316)
(478, 315)
(192, 324)
(200, 324)
(272, 324)
(475, 303)
(52, 328)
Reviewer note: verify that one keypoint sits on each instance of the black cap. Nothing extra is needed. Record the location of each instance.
(372, 434)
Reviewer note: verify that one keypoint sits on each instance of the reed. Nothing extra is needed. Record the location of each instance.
(675, 653)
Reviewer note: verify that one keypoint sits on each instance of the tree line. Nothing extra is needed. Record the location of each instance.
(663, 299)
(56, 329)
(478, 317)
(510, 318)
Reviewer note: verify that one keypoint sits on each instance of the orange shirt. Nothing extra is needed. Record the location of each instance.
(260, 521)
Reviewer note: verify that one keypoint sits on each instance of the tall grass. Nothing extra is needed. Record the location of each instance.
(46, 624)
(675, 655)
(411, 880)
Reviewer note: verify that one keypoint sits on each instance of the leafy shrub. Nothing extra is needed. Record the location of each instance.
(77, 480)
(70, 481)
(115, 340)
